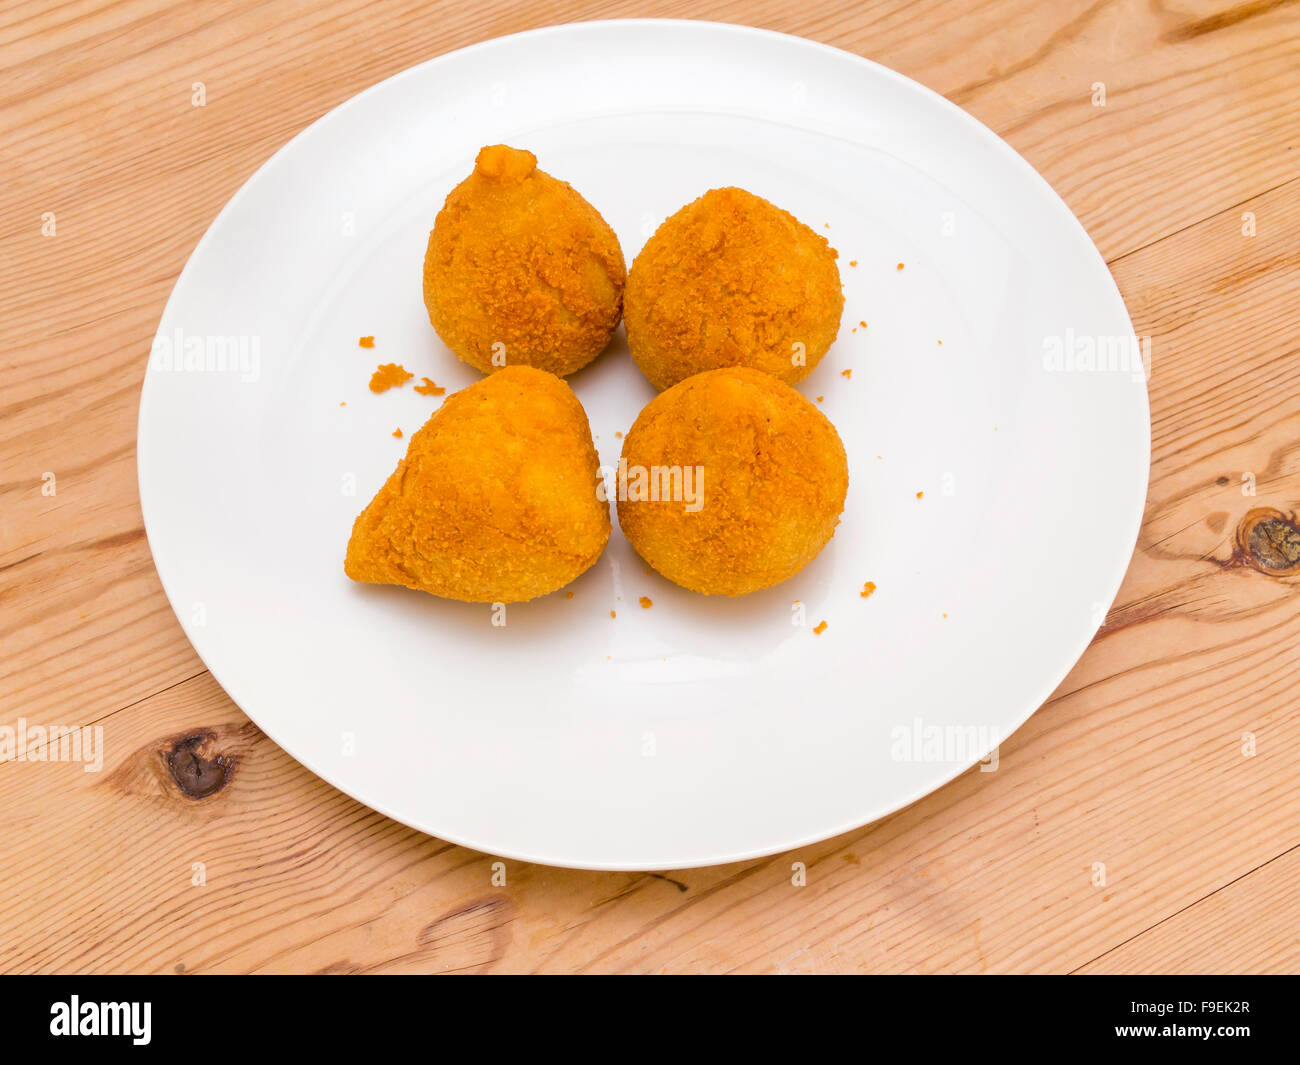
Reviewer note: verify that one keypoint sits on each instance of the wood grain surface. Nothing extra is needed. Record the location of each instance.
(1167, 758)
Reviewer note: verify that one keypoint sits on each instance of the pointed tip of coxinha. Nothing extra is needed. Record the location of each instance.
(496, 500)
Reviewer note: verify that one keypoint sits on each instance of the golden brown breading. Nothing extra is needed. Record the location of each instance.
(769, 471)
(496, 499)
(521, 267)
(732, 280)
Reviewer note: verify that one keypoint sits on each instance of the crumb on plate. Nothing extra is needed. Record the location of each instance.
(388, 375)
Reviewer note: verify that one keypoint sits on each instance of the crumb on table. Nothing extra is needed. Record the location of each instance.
(820, 627)
(613, 614)
(367, 342)
(397, 433)
(427, 388)
(646, 602)
(919, 495)
(846, 373)
(867, 589)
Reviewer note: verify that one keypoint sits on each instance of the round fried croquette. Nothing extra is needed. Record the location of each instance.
(732, 280)
(496, 500)
(731, 481)
(521, 270)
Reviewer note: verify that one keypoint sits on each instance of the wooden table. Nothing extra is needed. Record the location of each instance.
(1146, 818)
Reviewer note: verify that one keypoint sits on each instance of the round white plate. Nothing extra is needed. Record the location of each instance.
(699, 730)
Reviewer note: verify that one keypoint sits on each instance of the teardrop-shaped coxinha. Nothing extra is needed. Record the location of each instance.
(496, 501)
(521, 270)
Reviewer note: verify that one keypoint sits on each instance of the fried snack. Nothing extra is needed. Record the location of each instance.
(732, 280)
(521, 270)
(495, 501)
(731, 481)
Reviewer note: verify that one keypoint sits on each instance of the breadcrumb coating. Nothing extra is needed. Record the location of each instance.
(732, 280)
(521, 268)
(773, 477)
(495, 501)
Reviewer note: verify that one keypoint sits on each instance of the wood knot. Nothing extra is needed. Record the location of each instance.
(198, 769)
(1269, 541)
(192, 765)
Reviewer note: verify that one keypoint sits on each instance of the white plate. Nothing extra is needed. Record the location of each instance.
(700, 730)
